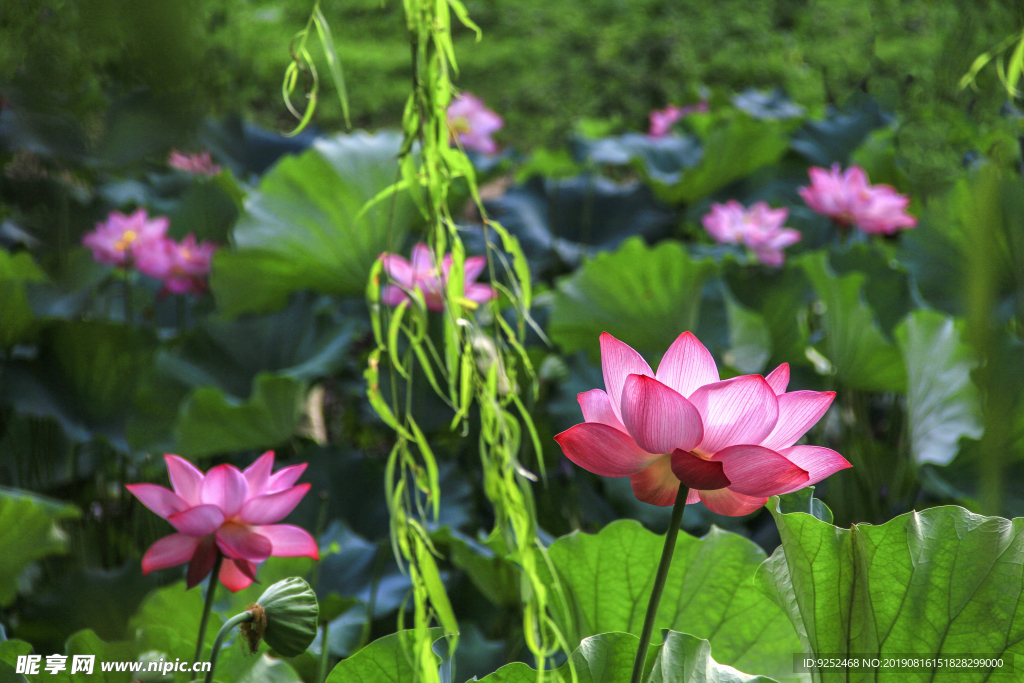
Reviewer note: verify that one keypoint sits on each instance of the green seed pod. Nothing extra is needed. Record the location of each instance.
(157, 675)
(285, 616)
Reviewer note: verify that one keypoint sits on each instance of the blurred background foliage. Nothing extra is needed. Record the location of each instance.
(919, 333)
(544, 64)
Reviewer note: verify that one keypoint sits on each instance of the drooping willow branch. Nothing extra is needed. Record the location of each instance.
(480, 369)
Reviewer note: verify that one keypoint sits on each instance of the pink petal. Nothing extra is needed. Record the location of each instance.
(692, 497)
(604, 450)
(163, 502)
(742, 410)
(285, 478)
(798, 412)
(659, 419)
(272, 507)
(398, 269)
(758, 471)
(618, 361)
(392, 295)
(656, 484)
(202, 562)
(597, 408)
(778, 380)
(479, 293)
(422, 261)
(687, 365)
(730, 503)
(240, 542)
(698, 473)
(226, 488)
(290, 541)
(258, 474)
(233, 578)
(198, 521)
(473, 266)
(185, 478)
(819, 463)
(169, 551)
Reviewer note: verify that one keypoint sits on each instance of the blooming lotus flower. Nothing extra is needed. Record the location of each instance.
(731, 442)
(121, 239)
(474, 123)
(229, 512)
(421, 274)
(182, 266)
(197, 164)
(759, 228)
(662, 120)
(848, 199)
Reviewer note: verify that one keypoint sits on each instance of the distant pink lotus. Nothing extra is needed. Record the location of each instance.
(474, 123)
(182, 267)
(849, 199)
(758, 228)
(662, 120)
(121, 239)
(422, 274)
(229, 512)
(731, 442)
(195, 163)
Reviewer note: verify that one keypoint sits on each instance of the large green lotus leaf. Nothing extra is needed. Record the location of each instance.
(385, 660)
(563, 220)
(860, 355)
(662, 159)
(608, 658)
(175, 608)
(86, 376)
(734, 148)
(709, 592)
(16, 321)
(940, 582)
(493, 574)
(300, 228)
(28, 531)
(10, 650)
(943, 404)
(886, 284)
(211, 422)
(780, 296)
(645, 296)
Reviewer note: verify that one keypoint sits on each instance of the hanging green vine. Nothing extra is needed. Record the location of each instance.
(482, 363)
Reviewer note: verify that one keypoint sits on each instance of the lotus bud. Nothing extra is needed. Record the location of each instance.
(285, 616)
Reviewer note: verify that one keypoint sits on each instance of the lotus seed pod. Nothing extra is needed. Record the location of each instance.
(285, 616)
(158, 659)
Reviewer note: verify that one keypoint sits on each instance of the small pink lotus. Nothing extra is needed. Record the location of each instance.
(759, 228)
(474, 123)
(195, 163)
(182, 267)
(229, 512)
(662, 120)
(421, 274)
(121, 239)
(731, 442)
(849, 199)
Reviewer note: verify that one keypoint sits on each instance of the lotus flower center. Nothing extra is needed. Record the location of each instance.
(126, 239)
(461, 125)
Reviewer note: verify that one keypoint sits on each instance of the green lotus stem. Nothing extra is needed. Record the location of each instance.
(659, 583)
(321, 674)
(208, 605)
(128, 308)
(221, 635)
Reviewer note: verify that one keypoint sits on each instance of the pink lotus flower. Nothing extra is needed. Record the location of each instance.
(197, 164)
(474, 123)
(759, 228)
(182, 266)
(849, 200)
(421, 274)
(731, 442)
(662, 120)
(121, 239)
(227, 512)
